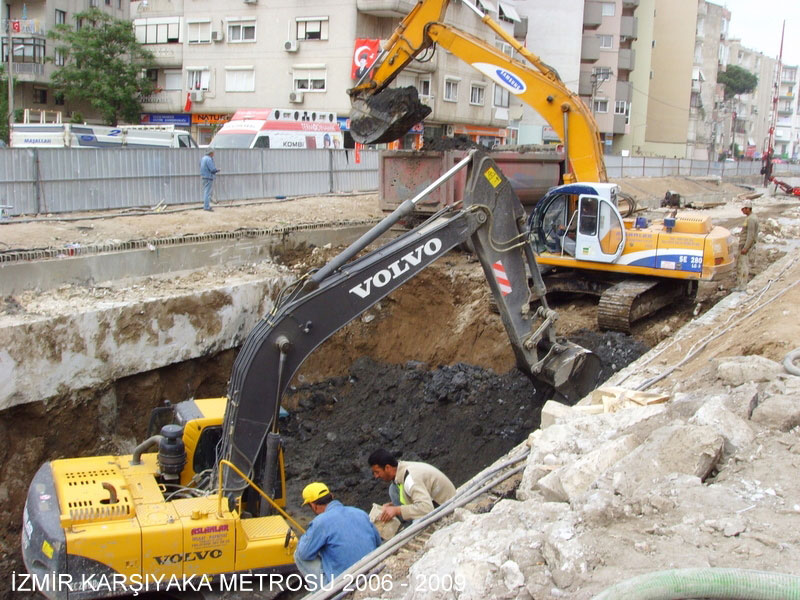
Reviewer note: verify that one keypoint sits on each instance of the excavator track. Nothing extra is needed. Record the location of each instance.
(632, 299)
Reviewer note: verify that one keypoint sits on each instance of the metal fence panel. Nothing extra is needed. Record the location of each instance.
(18, 181)
(63, 179)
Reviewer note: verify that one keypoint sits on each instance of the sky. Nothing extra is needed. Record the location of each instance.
(758, 24)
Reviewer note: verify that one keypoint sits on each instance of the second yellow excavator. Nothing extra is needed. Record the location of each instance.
(635, 266)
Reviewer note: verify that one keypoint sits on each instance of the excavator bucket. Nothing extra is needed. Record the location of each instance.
(385, 116)
(573, 371)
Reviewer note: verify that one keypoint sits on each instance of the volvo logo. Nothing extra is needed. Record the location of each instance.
(397, 268)
(511, 79)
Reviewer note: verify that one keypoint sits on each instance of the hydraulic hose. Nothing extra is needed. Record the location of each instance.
(740, 584)
(788, 362)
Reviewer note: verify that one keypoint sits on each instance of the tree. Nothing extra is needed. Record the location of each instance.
(104, 65)
(737, 81)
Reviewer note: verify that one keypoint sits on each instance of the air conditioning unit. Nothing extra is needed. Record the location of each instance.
(296, 97)
(291, 45)
(251, 1)
(217, 36)
(449, 131)
(198, 96)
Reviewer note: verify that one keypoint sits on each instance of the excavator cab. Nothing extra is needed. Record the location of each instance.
(579, 221)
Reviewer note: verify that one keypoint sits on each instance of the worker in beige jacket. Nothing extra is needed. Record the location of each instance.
(416, 488)
(747, 240)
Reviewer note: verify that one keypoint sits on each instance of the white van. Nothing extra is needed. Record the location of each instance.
(280, 128)
(69, 135)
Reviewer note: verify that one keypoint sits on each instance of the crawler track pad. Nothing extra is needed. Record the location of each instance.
(385, 116)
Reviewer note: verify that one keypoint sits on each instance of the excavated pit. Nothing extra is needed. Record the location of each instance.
(426, 373)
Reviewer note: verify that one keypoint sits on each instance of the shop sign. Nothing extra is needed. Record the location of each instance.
(202, 119)
(165, 119)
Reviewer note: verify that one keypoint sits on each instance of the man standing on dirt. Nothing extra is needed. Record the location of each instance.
(208, 172)
(415, 489)
(337, 538)
(747, 241)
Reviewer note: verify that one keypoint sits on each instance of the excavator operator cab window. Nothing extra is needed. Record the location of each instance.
(588, 217)
(205, 454)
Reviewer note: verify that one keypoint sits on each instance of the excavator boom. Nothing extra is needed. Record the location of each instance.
(491, 217)
(380, 114)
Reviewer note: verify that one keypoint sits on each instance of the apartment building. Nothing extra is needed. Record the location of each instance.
(214, 58)
(28, 24)
(750, 115)
(554, 34)
(607, 61)
(787, 130)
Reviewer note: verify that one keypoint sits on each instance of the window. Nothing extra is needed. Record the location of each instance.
(158, 31)
(58, 99)
(199, 32)
(608, 9)
(240, 79)
(59, 59)
(606, 41)
(312, 28)
(425, 87)
(152, 75)
(311, 79)
(242, 31)
(600, 106)
(602, 74)
(39, 95)
(198, 78)
(619, 107)
(26, 50)
(451, 90)
(61, 17)
(504, 47)
(172, 79)
(501, 97)
(476, 94)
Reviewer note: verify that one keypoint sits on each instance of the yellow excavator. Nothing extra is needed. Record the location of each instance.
(583, 243)
(199, 507)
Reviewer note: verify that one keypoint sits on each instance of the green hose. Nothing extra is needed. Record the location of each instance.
(676, 584)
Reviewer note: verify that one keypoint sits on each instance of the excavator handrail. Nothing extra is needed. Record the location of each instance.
(250, 482)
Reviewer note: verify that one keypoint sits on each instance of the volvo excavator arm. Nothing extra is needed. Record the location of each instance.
(382, 114)
(491, 217)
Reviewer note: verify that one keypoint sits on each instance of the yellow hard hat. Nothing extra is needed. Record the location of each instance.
(314, 491)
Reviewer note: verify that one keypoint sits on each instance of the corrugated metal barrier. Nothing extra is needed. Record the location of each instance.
(56, 180)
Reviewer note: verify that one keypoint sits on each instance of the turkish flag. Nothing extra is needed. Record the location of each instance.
(15, 26)
(364, 56)
(188, 106)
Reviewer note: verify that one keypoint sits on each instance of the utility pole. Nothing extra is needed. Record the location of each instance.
(10, 29)
(767, 170)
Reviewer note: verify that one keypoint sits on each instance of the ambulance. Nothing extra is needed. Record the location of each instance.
(280, 128)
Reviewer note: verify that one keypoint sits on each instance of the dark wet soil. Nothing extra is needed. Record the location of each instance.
(460, 418)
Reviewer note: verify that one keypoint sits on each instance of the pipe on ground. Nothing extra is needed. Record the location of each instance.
(674, 584)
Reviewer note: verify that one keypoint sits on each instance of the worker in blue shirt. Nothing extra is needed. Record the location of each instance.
(337, 538)
(208, 172)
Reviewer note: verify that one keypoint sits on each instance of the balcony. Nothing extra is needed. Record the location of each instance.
(154, 8)
(630, 3)
(592, 15)
(585, 83)
(624, 91)
(626, 59)
(521, 29)
(697, 86)
(785, 109)
(164, 101)
(385, 8)
(590, 48)
(619, 125)
(167, 55)
(629, 27)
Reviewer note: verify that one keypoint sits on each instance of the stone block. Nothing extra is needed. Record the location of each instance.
(778, 412)
(741, 369)
(737, 433)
